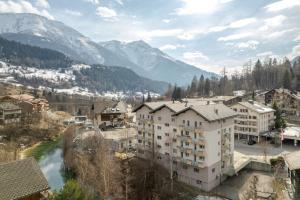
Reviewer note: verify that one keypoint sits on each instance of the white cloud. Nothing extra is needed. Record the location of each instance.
(226, 1)
(171, 47)
(251, 44)
(265, 54)
(193, 7)
(189, 35)
(73, 12)
(166, 21)
(120, 2)
(242, 22)
(95, 2)
(282, 5)
(193, 57)
(295, 52)
(297, 38)
(235, 36)
(42, 4)
(106, 12)
(273, 22)
(278, 34)
(22, 6)
(148, 35)
(217, 28)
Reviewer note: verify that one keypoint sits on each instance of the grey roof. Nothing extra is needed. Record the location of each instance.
(292, 160)
(22, 178)
(150, 105)
(119, 107)
(260, 108)
(211, 112)
(8, 106)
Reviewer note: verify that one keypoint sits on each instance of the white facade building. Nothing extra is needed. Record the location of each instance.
(195, 140)
(253, 120)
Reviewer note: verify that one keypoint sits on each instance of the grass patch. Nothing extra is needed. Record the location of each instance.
(43, 148)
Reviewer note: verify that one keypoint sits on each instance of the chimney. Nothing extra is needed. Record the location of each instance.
(216, 111)
(207, 102)
(251, 101)
(186, 102)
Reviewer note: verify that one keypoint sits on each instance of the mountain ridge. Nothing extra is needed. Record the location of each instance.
(45, 33)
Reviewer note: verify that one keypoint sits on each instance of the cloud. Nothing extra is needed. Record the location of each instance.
(193, 7)
(265, 54)
(106, 12)
(235, 36)
(171, 47)
(120, 2)
(273, 22)
(22, 6)
(73, 12)
(282, 5)
(297, 38)
(148, 35)
(166, 21)
(217, 28)
(251, 44)
(189, 35)
(194, 57)
(95, 2)
(295, 52)
(242, 22)
(42, 4)
(278, 33)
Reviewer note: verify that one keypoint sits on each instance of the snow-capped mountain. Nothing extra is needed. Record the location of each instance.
(39, 31)
(157, 64)
(138, 56)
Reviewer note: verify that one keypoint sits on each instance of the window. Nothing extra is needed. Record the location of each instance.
(187, 143)
(201, 146)
(167, 154)
(199, 182)
(140, 141)
(184, 166)
(196, 124)
(166, 134)
(195, 135)
(159, 137)
(187, 154)
(173, 119)
(174, 140)
(174, 130)
(167, 144)
(196, 170)
(174, 150)
(159, 127)
(187, 133)
(140, 132)
(183, 121)
(167, 124)
(213, 170)
(159, 118)
(201, 158)
(158, 146)
(188, 122)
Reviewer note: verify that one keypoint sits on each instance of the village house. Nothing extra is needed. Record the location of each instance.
(288, 101)
(9, 113)
(193, 139)
(28, 103)
(253, 120)
(22, 180)
(292, 162)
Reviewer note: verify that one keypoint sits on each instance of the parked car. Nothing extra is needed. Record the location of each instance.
(251, 142)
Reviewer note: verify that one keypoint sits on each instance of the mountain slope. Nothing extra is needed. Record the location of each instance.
(34, 66)
(39, 31)
(139, 56)
(158, 64)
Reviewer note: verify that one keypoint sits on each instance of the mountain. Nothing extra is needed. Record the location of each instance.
(138, 56)
(35, 66)
(157, 64)
(295, 60)
(19, 54)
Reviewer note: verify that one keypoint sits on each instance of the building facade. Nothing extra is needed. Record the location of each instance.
(9, 113)
(193, 140)
(253, 120)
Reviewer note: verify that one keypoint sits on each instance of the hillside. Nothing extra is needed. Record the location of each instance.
(138, 56)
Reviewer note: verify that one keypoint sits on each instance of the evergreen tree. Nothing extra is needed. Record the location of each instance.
(286, 82)
(207, 87)
(149, 99)
(279, 121)
(194, 84)
(201, 86)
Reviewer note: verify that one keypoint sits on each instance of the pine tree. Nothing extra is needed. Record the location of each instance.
(286, 82)
(207, 87)
(149, 99)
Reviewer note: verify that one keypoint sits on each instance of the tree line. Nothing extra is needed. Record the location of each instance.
(265, 75)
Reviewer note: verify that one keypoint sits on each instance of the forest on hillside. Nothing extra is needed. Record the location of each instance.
(263, 76)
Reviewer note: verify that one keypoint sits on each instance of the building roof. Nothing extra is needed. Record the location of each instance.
(119, 107)
(8, 106)
(257, 107)
(20, 179)
(150, 105)
(210, 112)
(292, 160)
(22, 97)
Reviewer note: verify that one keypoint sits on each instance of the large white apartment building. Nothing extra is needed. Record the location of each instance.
(195, 139)
(253, 120)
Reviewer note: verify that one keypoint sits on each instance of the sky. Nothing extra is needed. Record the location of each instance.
(210, 34)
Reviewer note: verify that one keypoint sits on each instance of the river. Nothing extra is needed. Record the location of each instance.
(51, 164)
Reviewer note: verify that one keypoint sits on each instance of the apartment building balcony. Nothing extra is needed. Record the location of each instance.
(186, 149)
(199, 152)
(184, 138)
(198, 163)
